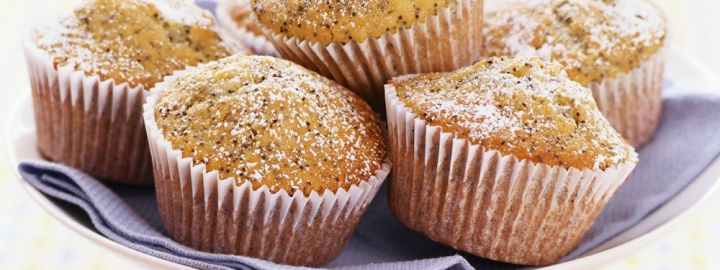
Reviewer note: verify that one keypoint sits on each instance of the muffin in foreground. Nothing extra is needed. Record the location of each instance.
(361, 44)
(237, 17)
(258, 156)
(613, 47)
(507, 159)
(89, 72)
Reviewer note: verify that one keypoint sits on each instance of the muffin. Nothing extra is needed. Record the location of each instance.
(507, 159)
(237, 17)
(89, 73)
(258, 156)
(614, 47)
(361, 44)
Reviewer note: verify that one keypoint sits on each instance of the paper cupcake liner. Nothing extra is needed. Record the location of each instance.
(444, 42)
(258, 44)
(632, 102)
(486, 203)
(91, 124)
(207, 213)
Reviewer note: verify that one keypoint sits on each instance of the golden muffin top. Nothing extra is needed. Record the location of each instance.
(593, 39)
(341, 21)
(273, 123)
(133, 41)
(242, 14)
(525, 107)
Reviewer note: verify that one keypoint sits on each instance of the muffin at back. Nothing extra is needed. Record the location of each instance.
(342, 21)
(133, 41)
(593, 39)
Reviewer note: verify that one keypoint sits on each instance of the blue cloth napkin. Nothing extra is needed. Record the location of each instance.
(685, 144)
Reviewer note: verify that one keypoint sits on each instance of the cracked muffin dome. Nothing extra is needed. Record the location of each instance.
(524, 107)
(343, 21)
(133, 41)
(594, 39)
(272, 123)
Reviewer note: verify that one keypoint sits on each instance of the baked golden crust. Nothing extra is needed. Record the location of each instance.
(343, 21)
(524, 107)
(133, 41)
(593, 39)
(273, 123)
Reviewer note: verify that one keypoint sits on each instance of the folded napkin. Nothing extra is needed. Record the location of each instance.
(685, 144)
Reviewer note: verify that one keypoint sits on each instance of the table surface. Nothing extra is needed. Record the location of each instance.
(27, 233)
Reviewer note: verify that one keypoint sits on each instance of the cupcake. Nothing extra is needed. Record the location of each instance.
(362, 44)
(237, 17)
(258, 156)
(89, 73)
(614, 47)
(507, 159)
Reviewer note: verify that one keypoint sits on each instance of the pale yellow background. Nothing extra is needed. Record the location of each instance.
(31, 239)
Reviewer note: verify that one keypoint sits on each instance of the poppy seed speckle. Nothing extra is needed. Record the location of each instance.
(273, 123)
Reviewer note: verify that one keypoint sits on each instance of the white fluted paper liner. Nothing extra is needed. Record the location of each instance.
(258, 44)
(91, 124)
(205, 212)
(487, 203)
(632, 102)
(444, 42)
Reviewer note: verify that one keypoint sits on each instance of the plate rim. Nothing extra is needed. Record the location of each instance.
(634, 245)
(597, 256)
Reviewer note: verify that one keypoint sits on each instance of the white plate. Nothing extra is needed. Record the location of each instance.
(20, 136)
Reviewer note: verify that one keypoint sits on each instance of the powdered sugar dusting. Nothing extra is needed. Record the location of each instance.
(523, 106)
(344, 20)
(273, 123)
(182, 11)
(131, 41)
(594, 39)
